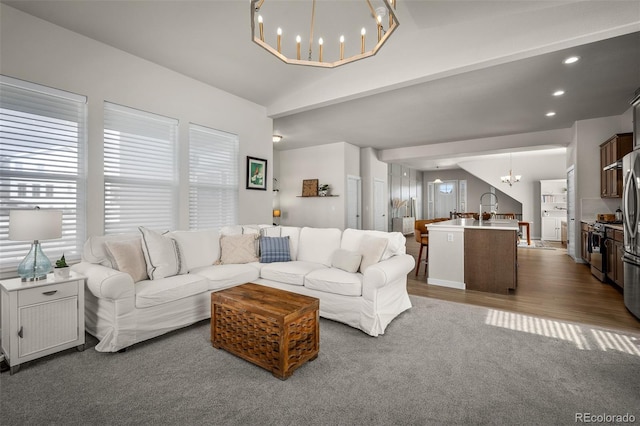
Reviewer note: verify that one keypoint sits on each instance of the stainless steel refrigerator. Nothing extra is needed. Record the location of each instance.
(631, 216)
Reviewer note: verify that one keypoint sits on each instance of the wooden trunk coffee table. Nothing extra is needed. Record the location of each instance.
(274, 329)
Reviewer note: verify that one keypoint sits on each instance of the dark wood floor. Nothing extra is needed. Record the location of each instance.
(550, 284)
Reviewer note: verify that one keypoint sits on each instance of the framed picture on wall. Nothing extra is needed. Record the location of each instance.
(256, 173)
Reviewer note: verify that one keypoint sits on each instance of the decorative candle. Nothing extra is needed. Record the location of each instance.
(279, 31)
(298, 40)
(320, 42)
(362, 32)
(261, 27)
(341, 47)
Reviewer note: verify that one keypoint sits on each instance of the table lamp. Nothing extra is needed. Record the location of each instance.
(35, 225)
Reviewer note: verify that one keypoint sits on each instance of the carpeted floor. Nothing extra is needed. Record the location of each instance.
(439, 363)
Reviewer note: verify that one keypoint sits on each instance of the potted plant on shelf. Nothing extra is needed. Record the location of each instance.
(323, 190)
(61, 271)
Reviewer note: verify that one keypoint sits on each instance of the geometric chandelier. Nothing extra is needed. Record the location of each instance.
(328, 47)
(510, 178)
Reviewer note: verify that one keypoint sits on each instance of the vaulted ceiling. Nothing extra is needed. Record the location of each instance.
(453, 71)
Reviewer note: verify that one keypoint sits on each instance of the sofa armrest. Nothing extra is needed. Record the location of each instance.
(106, 283)
(388, 271)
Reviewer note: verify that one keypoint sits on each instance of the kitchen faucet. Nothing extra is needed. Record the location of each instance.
(493, 212)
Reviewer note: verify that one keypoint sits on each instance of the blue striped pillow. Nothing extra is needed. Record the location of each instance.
(274, 249)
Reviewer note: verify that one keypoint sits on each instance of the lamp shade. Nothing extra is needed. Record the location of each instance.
(35, 224)
(276, 213)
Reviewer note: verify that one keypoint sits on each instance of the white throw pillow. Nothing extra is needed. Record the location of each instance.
(161, 254)
(238, 248)
(372, 249)
(346, 260)
(128, 257)
(197, 248)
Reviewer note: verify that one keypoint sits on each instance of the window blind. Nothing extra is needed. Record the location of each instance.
(213, 178)
(140, 170)
(42, 158)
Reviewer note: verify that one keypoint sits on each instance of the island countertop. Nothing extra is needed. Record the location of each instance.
(498, 224)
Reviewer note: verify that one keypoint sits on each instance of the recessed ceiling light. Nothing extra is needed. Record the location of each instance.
(550, 114)
(558, 93)
(277, 138)
(571, 60)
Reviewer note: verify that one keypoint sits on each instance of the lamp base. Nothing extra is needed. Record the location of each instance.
(35, 266)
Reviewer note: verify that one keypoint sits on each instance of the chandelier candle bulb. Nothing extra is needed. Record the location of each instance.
(363, 32)
(320, 43)
(298, 40)
(341, 47)
(279, 32)
(379, 27)
(261, 25)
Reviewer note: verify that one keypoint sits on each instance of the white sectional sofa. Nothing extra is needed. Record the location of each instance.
(123, 307)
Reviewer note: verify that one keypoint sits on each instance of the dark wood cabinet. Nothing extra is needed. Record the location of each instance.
(611, 152)
(490, 260)
(614, 244)
(585, 242)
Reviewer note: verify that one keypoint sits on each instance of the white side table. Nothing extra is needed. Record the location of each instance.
(41, 317)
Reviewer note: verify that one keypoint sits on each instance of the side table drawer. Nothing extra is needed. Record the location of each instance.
(47, 293)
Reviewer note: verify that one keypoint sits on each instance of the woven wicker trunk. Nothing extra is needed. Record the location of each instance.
(274, 329)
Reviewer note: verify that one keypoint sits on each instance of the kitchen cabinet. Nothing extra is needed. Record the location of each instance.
(615, 250)
(584, 234)
(611, 152)
(41, 317)
(551, 228)
(492, 270)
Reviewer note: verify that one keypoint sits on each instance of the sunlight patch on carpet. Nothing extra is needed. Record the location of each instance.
(604, 340)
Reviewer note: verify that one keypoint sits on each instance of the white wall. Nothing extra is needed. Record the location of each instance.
(329, 164)
(37, 51)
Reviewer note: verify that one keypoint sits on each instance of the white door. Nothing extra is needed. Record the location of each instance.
(353, 203)
(379, 206)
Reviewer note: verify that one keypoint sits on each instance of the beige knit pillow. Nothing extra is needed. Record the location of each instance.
(128, 257)
(238, 248)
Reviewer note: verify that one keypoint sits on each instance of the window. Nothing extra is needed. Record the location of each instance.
(42, 157)
(213, 178)
(140, 170)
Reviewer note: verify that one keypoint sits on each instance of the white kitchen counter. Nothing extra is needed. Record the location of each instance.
(506, 224)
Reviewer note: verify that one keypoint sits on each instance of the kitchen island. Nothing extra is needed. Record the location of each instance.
(474, 255)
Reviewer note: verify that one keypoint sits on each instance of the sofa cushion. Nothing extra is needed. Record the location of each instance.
(128, 257)
(238, 248)
(334, 280)
(318, 244)
(274, 249)
(289, 272)
(231, 230)
(372, 249)
(169, 289)
(198, 248)
(293, 232)
(396, 241)
(270, 231)
(161, 254)
(223, 276)
(346, 260)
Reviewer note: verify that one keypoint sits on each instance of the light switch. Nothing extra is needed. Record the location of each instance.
(450, 238)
